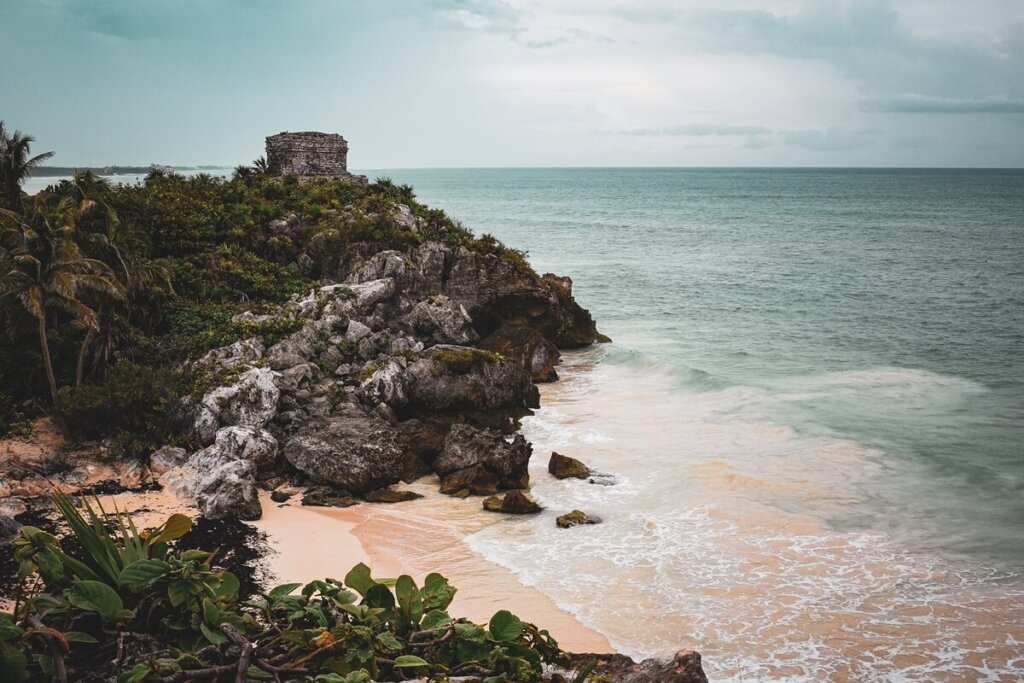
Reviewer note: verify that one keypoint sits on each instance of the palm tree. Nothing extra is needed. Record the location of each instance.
(121, 247)
(44, 270)
(16, 164)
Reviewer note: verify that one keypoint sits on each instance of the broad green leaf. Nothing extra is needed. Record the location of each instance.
(214, 636)
(13, 664)
(176, 526)
(136, 674)
(505, 626)
(8, 629)
(228, 587)
(96, 596)
(177, 592)
(409, 599)
(435, 619)
(409, 661)
(283, 590)
(195, 555)
(390, 642)
(359, 580)
(437, 593)
(50, 567)
(143, 572)
(79, 637)
(211, 615)
(379, 596)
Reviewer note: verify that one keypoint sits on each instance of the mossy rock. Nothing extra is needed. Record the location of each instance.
(325, 496)
(512, 503)
(388, 495)
(564, 467)
(575, 518)
(462, 359)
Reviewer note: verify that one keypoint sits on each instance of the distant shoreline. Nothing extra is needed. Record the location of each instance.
(59, 171)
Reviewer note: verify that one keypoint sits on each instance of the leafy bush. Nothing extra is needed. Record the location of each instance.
(134, 406)
(131, 607)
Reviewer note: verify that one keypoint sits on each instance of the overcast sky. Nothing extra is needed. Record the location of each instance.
(521, 82)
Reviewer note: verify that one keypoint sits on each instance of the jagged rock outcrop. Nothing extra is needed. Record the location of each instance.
(221, 478)
(167, 458)
(366, 392)
(251, 401)
(456, 379)
(443, 321)
(482, 461)
(527, 347)
(351, 450)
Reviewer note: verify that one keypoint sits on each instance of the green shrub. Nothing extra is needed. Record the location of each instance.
(134, 407)
(129, 606)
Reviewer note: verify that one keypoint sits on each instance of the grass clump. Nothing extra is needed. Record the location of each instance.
(463, 360)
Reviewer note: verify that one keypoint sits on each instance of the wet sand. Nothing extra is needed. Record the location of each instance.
(415, 538)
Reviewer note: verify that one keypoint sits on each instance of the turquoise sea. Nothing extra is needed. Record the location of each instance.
(814, 404)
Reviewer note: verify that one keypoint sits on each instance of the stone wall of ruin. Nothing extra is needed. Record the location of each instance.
(307, 154)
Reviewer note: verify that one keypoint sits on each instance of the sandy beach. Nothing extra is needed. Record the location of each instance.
(415, 538)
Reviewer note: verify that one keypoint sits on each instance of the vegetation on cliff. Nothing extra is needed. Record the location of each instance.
(105, 289)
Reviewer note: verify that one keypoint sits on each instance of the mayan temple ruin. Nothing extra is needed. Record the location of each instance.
(310, 155)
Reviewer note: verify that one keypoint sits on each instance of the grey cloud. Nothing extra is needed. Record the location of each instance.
(830, 140)
(697, 129)
(871, 43)
(922, 104)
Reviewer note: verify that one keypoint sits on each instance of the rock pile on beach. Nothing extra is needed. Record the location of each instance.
(421, 361)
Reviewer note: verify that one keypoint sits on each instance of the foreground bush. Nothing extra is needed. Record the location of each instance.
(129, 607)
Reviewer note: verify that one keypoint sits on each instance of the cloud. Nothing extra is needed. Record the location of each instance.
(831, 139)
(923, 104)
(697, 129)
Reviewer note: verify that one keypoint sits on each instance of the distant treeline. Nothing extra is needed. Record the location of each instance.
(52, 171)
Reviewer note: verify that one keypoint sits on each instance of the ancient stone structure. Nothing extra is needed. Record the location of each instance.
(310, 155)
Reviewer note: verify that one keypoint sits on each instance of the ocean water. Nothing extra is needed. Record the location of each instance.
(813, 407)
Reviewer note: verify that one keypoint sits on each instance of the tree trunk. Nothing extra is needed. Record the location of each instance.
(45, 347)
(80, 367)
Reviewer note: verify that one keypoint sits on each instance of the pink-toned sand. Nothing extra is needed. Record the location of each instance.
(415, 538)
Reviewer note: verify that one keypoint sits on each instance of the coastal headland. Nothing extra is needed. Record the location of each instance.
(322, 357)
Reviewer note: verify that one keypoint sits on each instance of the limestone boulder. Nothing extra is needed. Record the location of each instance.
(482, 460)
(222, 484)
(251, 401)
(457, 379)
(386, 384)
(351, 450)
(527, 347)
(443, 321)
(166, 458)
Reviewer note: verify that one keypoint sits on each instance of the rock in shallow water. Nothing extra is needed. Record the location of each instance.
(326, 496)
(390, 496)
(564, 467)
(483, 461)
(513, 503)
(575, 518)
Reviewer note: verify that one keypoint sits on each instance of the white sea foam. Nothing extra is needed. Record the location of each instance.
(717, 536)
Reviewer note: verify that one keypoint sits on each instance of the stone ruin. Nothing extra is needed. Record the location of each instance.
(310, 155)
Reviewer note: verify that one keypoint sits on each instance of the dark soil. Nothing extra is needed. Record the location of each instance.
(237, 547)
